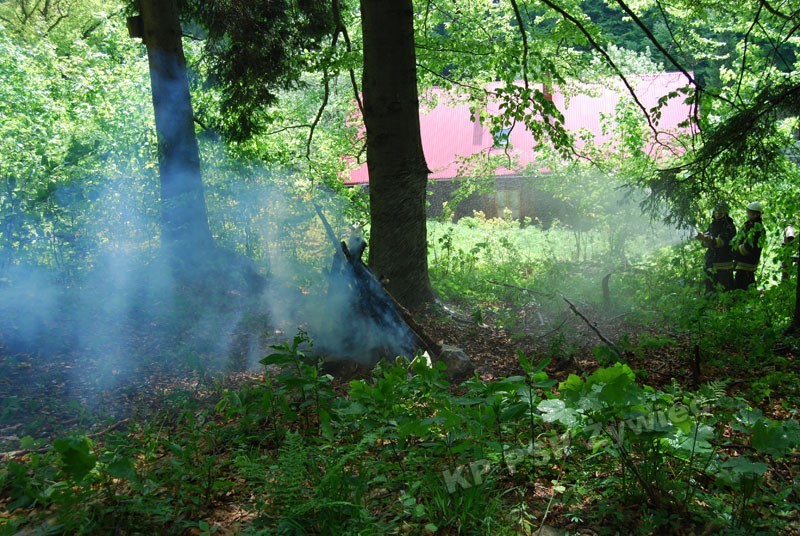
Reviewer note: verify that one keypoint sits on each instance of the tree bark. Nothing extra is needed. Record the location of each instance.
(398, 174)
(184, 217)
(795, 326)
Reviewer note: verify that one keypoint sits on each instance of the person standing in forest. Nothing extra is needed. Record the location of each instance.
(719, 256)
(747, 246)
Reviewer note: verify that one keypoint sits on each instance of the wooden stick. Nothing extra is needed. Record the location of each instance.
(331, 235)
(5, 456)
(553, 330)
(433, 349)
(519, 288)
(593, 326)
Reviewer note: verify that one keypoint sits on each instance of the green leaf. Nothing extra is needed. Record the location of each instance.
(604, 354)
(276, 359)
(76, 456)
(696, 439)
(525, 363)
(541, 380)
(774, 437)
(555, 410)
(514, 411)
(122, 468)
(325, 424)
(746, 419)
(573, 387)
(745, 466)
(353, 408)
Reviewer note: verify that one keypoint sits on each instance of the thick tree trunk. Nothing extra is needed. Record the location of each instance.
(796, 316)
(398, 173)
(184, 218)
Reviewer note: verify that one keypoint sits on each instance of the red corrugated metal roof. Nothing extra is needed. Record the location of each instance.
(449, 133)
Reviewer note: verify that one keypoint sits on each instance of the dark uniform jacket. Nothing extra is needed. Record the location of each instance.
(748, 244)
(720, 233)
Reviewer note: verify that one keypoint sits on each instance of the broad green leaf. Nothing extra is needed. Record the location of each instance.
(774, 437)
(514, 412)
(76, 456)
(697, 439)
(122, 468)
(572, 387)
(745, 466)
(555, 410)
(325, 424)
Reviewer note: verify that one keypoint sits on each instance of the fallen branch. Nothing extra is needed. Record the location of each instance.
(426, 343)
(329, 232)
(519, 288)
(5, 456)
(553, 330)
(593, 327)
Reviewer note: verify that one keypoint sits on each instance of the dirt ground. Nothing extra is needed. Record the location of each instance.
(46, 395)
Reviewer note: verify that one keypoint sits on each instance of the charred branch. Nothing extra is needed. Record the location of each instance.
(372, 297)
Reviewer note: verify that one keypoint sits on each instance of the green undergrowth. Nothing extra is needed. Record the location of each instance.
(404, 451)
(515, 277)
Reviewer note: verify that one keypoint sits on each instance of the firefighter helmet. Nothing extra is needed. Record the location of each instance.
(755, 206)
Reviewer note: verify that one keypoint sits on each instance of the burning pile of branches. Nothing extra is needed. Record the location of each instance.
(377, 326)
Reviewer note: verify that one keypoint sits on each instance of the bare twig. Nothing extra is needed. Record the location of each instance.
(5, 456)
(592, 326)
(558, 327)
(341, 27)
(524, 36)
(593, 42)
(490, 281)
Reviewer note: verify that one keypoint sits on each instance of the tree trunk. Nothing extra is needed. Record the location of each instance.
(796, 316)
(398, 174)
(184, 218)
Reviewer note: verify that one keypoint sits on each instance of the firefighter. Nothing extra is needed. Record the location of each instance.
(747, 247)
(719, 256)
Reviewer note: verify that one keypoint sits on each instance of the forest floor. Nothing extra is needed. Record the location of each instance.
(43, 396)
(46, 397)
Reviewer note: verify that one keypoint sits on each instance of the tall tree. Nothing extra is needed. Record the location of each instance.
(184, 218)
(395, 159)
(255, 49)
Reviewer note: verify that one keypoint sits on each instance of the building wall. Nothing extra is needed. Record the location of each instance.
(516, 193)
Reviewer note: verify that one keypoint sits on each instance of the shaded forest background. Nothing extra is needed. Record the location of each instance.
(166, 350)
